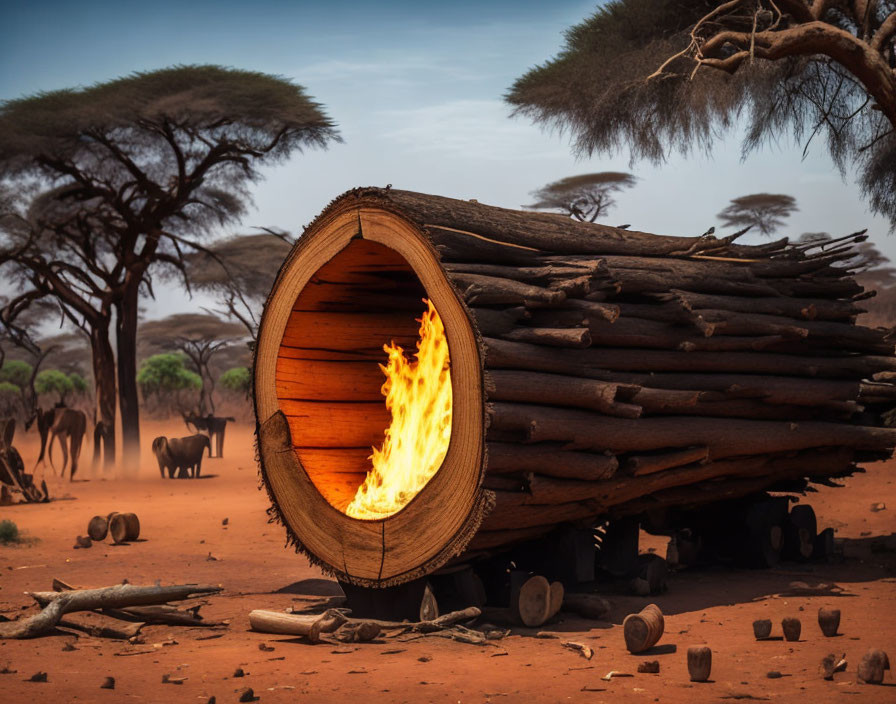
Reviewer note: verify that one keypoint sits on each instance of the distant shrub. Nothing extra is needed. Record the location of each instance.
(237, 380)
(16, 372)
(53, 381)
(9, 532)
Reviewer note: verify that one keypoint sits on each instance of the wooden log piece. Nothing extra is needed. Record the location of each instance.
(124, 527)
(872, 667)
(828, 621)
(595, 363)
(549, 460)
(573, 338)
(57, 604)
(699, 663)
(309, 625)
(490, 290)
(557, 390)
(98, 528)
(639, 465)
(791, 627)
(531, 601)
(644, 629)
(796, 308)
(725, 437)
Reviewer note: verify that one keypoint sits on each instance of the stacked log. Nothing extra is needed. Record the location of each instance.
(623, 371)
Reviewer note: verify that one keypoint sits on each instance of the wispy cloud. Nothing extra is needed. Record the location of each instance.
(476, 129)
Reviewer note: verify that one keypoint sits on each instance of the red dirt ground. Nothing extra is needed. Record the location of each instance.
(182, 526)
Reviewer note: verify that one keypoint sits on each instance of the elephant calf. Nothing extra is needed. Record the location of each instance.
(183, 455)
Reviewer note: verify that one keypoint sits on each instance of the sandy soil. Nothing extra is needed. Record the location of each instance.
(182, 530)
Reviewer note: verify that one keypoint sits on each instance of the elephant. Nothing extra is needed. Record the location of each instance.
(213, 425)
(183, 455)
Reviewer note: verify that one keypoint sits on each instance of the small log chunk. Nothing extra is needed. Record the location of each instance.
(872, 666)
(699, 663)
(124, 527)
(98, 528)
(532, 601)
(762, 628)
(791, 627)
(642, 630)
(311, 626)
(829, 621)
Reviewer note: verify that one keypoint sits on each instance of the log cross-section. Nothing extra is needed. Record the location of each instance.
(594, 372)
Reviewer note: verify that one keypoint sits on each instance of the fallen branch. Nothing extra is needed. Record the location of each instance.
(57, 604)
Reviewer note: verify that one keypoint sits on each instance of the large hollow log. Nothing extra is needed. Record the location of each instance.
(703, 368)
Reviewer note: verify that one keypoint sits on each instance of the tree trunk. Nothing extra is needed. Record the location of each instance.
(104, 381)
(128, 400)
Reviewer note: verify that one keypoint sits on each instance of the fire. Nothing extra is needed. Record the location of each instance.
(418, 395)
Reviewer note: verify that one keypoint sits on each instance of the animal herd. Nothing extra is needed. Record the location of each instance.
(180, 457)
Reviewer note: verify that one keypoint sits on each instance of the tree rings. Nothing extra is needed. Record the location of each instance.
(98, 528)
(642, 630)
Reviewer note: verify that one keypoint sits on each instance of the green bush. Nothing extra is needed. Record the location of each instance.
(237, 379)
(79, 384)
(9, 532)
(165, 373)
(16, 372)
(53, 381)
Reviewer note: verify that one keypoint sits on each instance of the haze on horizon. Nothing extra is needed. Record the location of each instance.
(416, 90)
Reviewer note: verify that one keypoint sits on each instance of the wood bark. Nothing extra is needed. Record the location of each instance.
(594, 363)
(550, 460)
(725, 437)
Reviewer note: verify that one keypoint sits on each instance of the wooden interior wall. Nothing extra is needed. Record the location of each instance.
(327, 378)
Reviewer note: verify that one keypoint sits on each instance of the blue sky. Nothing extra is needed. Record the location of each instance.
(416, 89)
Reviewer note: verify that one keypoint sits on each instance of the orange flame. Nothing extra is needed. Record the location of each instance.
(418, 394)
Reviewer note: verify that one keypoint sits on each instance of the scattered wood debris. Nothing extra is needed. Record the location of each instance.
(832, 663)
(580, 648)
(55, 605)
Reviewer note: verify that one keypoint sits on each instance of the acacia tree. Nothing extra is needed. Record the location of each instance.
(156, 159)
(199, 337)
(240, 272)
(661, 75)
(585, 197)
(766, 212)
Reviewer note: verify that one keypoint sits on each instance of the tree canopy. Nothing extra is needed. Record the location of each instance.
(240, 271)
(53, 381)
(766, 212)
(585, 197)
(199, 337)
(165, 373)
(108, 184)
(666, 75)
